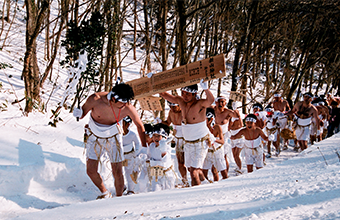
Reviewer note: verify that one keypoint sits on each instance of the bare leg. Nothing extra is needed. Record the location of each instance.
(224, 174)
(205, 173)
(181, 167)
(312, 139)
(117, 172)
(195, 176)
(269, 149)
(92, 172)
(250, 168)
(236, 153)
(226, 162)
(215, 173)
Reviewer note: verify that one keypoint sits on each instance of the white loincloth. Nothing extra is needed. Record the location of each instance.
(224, 128)
(104, 138)
(102, 130)
(253, 152)
(193, 132)
(179, 132)
(129, 147)
(302, 129)
(236, 142)
(215, 158)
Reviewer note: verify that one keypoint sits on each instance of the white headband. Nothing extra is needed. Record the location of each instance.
(161, 132)
(112, 94)
(187, 89)
(251, 119)
(277, 95)
(257, 106)
(172, 104)
(210, 115)
(220, 97)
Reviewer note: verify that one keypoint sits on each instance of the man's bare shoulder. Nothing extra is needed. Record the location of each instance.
(97, 96)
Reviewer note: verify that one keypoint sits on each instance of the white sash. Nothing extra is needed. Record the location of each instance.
(253, 143)
(101, 130)
(129, 147)
(224, 128)
(193, 132)
(304, 122)
(178, 129)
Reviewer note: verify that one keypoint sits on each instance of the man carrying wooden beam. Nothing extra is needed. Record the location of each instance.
(194, 128)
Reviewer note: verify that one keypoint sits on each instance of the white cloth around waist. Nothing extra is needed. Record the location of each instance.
(253, 143)
(102, 130)
(305, 121)
(193, 132)
(224, 128)
(178, 129)
(129, 147)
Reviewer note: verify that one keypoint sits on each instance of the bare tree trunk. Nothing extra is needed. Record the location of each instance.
(147, 65)
(30, 73)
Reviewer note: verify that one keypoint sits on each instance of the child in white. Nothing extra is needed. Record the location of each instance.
(253, 150)
(132, 146)
(159, 157)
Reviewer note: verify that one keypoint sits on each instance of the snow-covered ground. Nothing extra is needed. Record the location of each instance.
(42, 169)
(42, 176)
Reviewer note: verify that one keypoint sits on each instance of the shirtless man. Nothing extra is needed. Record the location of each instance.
(253, 150)
(175, 117)
(304, 112)
(282, 106)
(222, 117)
(235, 125)
(194, 127)
(105, 134)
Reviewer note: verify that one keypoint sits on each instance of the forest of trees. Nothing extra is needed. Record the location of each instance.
(287, 46)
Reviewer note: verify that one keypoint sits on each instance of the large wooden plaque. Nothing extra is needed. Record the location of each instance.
(192, 73)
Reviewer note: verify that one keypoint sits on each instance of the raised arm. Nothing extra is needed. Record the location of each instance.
(170, 98)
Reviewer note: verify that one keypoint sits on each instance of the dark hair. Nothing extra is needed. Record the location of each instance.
(334, 103)
(251, 116)
(148, 128)
(157, 127)
(124, 91)
(308, 94)
(191, 88)
(210, 110)
(258, 105)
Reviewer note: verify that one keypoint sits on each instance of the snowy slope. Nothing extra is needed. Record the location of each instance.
(42, 169)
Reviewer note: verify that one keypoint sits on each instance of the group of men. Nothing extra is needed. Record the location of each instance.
(202, 131)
